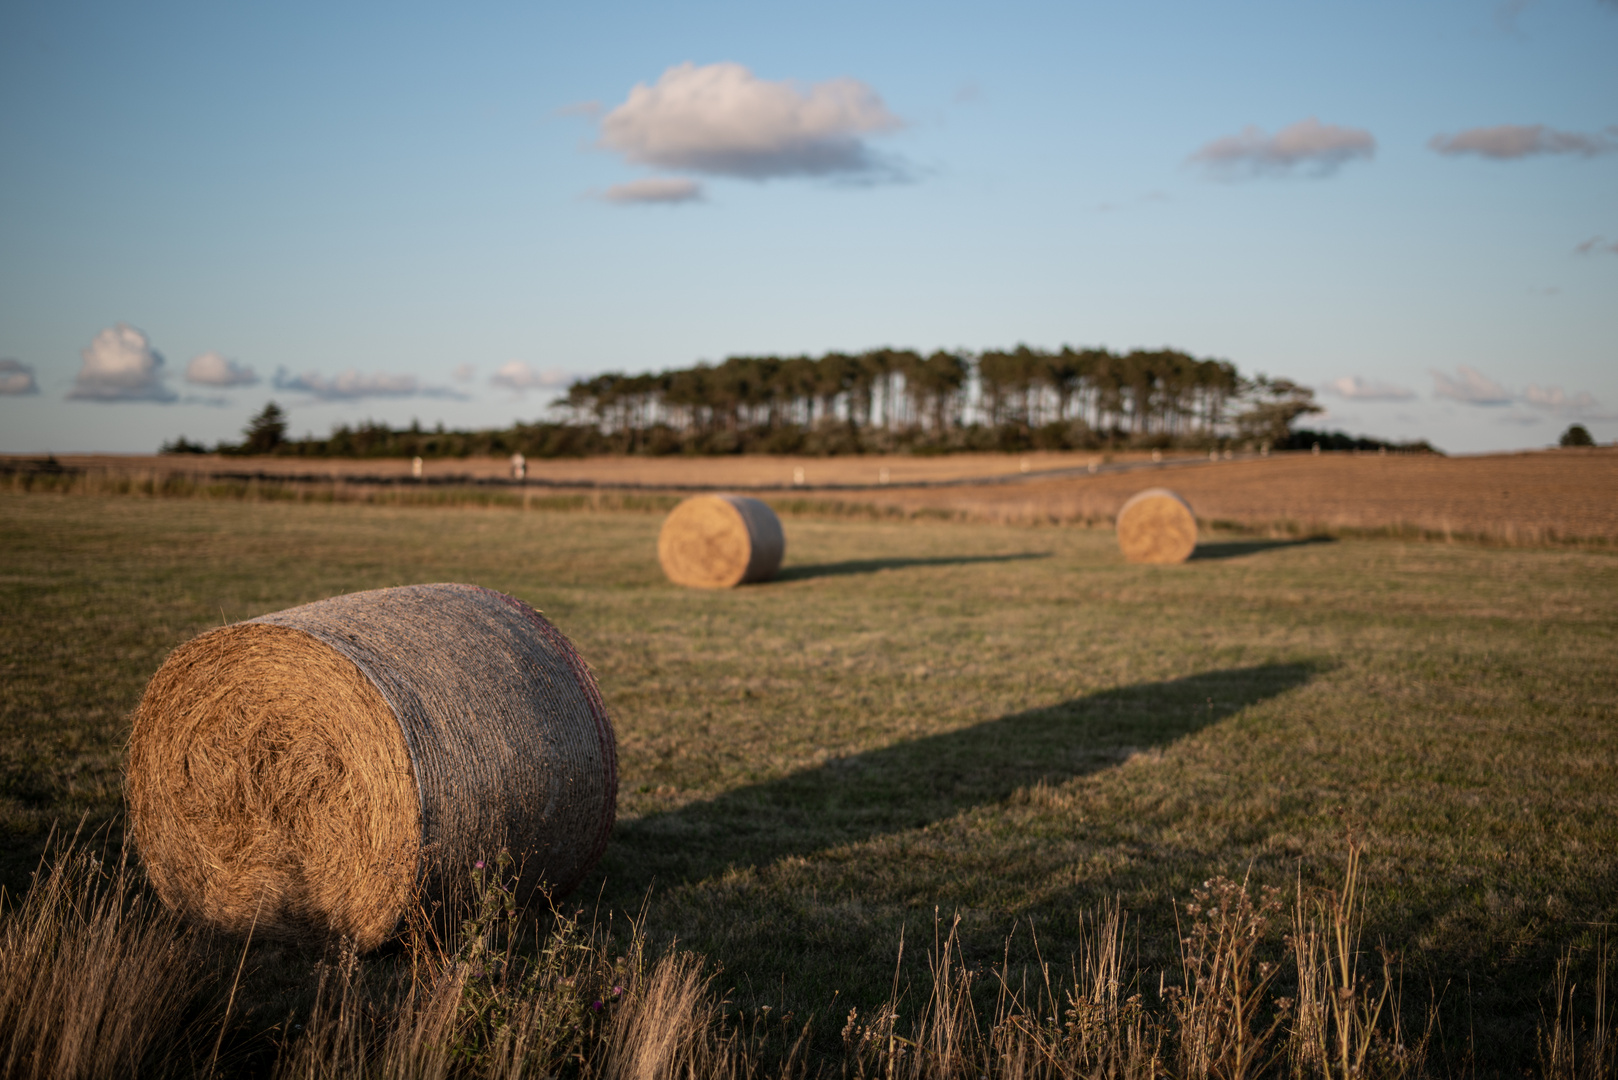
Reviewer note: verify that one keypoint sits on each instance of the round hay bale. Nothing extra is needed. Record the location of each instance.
(1157, 526)
(318, 771)
(719, 541)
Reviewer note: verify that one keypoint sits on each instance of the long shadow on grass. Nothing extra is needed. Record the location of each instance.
(1230, 549)
(915, 783)
(871, 566)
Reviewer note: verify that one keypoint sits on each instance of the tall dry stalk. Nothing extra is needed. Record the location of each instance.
(1091, 1027)
(1220, 1024)
(95, 975)
(1346, 1024)
(503, 1000)
(1565, 1051)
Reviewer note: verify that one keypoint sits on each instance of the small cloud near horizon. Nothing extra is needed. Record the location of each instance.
(517, 376)
(1578, 406)
(723, 120)
(212, 369)
(666, 190)
(1356, 388)
(1513, 142)
(121, 365)
(351, 385)
(463, 373)
(17, 378)
(1470, 387)
(1319, 149)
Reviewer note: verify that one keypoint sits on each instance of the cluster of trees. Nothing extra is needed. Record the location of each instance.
(1307, 439)
(891, 399)
(881, 400)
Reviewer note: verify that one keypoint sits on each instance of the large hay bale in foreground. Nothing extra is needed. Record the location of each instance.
(719, 541)
(1157, 526)
(316, 771)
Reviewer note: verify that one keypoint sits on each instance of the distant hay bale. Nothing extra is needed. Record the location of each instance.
(719, 541)
(1157, 526)
(315, 771)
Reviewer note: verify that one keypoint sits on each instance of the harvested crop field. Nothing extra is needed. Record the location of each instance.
(1517, 498)
(1552, 496)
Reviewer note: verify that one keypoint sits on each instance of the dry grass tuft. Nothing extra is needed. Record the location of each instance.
(1568, 1048)
(1346, 1024)
(95, 975)
(96, 982)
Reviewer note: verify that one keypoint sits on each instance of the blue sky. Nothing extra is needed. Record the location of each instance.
(397, 212)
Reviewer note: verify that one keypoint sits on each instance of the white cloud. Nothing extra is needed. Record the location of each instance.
(463, 373)
(1352, 386)
(1321, 148)
(212, 369)
(1470, 387)
(1582, 405)
(518, 376)
(17, 378)
(351, 385)
(655, 189)
(1509, 142)
(722, 120)
(121, 365)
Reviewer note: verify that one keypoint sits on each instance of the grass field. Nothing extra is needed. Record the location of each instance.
(1006, 723)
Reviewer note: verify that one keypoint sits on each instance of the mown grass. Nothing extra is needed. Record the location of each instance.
(1009, 724)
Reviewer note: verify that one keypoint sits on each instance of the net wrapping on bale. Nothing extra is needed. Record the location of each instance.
(316, 770)
(1157, 526)
(720, 541)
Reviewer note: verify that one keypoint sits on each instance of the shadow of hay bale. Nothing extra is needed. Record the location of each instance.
(871, 566)
(912, 784)
(1232, 549)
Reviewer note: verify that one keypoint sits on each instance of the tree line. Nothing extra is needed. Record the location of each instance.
(896, 398)
(882, 400)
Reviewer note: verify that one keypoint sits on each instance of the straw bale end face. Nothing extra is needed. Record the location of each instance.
(318, 771)
(720, 541)
(1157, 526)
